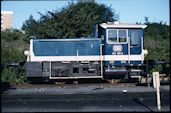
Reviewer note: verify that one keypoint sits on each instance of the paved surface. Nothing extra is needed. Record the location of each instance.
(92, 98)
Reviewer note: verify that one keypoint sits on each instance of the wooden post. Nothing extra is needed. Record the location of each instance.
(156, 84)
(154, 79)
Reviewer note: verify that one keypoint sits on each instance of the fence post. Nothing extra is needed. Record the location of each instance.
(154, 79)
(156, 84)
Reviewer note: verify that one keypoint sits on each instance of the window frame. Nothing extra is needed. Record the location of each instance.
(117, 36)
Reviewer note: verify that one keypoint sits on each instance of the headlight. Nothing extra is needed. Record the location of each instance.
(145, 52)
(26, 52)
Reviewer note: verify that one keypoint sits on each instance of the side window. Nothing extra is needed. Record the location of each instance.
(112, 35)
(122, 35)
(134, 38)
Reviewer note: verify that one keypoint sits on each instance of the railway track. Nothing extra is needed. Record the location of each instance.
(94, 82)
(164, 79)
(148, 81)
(74, 85)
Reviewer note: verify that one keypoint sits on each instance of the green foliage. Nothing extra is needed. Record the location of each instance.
(13, 44)
(10, 54)
(156, 68)
(12, 75)
(75, 20)
(158, 31)
(157, 40)
(13, 34)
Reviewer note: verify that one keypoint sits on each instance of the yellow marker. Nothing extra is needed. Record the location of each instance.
(112, 82)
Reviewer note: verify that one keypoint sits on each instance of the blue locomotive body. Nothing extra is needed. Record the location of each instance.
(66, 47)
(115, 51)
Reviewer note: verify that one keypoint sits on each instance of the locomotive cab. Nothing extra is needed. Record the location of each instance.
(123, 50)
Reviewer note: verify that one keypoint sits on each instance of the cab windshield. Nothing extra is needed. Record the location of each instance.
(117, 35)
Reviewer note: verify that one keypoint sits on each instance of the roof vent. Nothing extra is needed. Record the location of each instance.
(125, 23)
(110, 23)
(116, 22)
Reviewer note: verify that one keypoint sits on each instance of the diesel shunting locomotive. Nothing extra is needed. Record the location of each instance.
(116, 51)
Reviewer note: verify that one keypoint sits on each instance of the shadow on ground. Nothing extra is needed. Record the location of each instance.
(68, 81)
(5, 86)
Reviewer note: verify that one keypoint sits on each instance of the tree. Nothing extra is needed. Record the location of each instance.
(75, 20)
(157, 40)
(30, 26)
(146, 20)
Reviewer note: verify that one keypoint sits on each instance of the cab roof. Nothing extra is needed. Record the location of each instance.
(117, 24)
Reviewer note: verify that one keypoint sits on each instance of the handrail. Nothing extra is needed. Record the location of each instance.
(129, 49)
(142, 50)
(50, 71)
(101, 59)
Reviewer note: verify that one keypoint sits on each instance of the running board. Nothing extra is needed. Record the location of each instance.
(75, 77)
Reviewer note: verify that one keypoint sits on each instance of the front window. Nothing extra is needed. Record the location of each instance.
(117, 35)
(112, 35)
(122, 35)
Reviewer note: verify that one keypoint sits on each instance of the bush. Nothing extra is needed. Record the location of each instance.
(157, 41)
(12, 75)
(13, 44)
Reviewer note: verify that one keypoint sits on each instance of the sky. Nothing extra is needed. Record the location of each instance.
(130, 11)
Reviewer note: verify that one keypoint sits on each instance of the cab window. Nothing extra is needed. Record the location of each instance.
(134, 38)
(112, 35)
(122, 35)
(117, 35)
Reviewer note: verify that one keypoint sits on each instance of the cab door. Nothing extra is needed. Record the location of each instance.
(135, 41)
